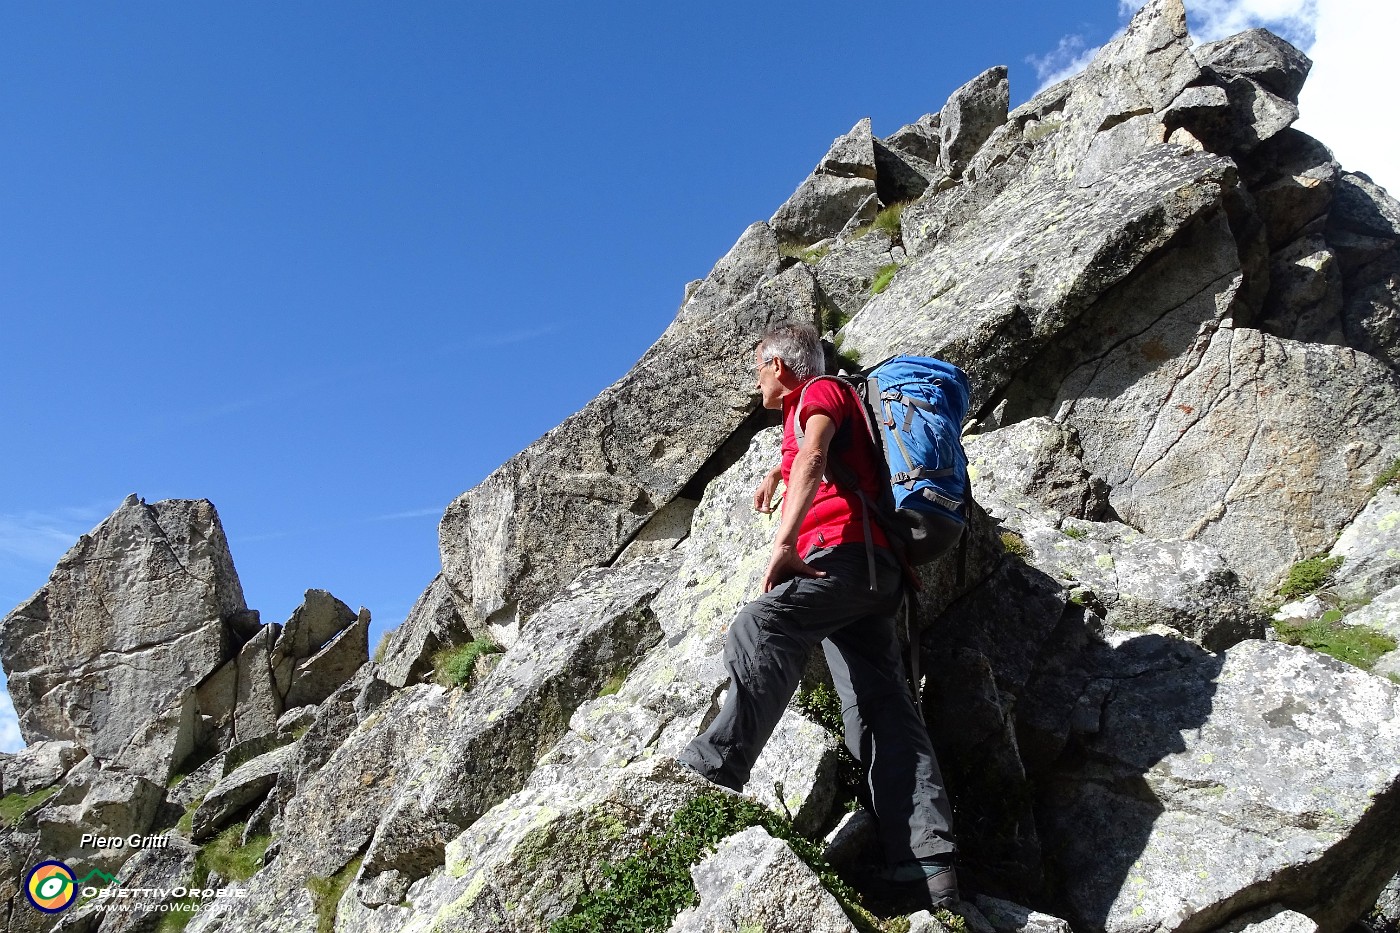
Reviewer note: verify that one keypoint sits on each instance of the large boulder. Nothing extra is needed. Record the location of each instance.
(1217, 783)
(840, 188)
(138, 612)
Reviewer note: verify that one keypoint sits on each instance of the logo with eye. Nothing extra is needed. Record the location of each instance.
(50, 887)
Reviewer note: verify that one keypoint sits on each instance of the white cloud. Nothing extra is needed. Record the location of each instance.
(1294, 20)
(43, 537)
(1065, 60)
(1348, 102)
(10, 740)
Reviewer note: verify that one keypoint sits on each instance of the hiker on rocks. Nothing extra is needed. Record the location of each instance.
(820, 586)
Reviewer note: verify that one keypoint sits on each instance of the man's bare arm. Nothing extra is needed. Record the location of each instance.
(808, 467)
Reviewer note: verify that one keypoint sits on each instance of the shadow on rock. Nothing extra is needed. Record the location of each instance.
(1048, 727)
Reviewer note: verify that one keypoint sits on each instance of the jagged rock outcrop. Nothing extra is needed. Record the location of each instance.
(1182, 321)
(148, 604)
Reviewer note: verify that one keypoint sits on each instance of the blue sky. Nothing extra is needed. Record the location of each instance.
(328, 265)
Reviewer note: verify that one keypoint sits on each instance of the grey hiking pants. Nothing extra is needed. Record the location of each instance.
(765, 652)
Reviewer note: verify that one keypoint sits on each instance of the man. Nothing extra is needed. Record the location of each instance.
(819, 587)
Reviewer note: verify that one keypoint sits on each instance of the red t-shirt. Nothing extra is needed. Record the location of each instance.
(835, 515)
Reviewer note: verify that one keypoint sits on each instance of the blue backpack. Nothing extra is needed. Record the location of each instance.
(914, 407)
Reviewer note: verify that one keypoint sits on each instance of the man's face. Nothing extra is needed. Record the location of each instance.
(768, 385)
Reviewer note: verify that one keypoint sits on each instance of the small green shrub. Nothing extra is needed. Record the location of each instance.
(883, 275)
(1308, 576)
(1015, 545)
(327, 892)
(643, 892)
(455, 667)
(14, 806)
(821, 705)
(887, 221)
(1357, 645)
(1078, 534)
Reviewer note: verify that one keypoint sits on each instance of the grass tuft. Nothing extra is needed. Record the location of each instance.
(327, 892)
(14, 806)
(456, 667)
(1357, 645)
(224, 856)
(1015, 545)
(1308, 576)
(883, 275)
(1390, 476)
(887, 221)
(1078, 534)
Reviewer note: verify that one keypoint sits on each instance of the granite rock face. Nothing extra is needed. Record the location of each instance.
(1181, 317)
(148, 605)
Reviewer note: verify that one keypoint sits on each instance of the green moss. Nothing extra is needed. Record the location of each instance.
(455, 667)
(883, 275)
(14, 806)
(1015, 545)
(643, 892)
(887, 221)
(327, 892)
(1308, 576)
(613, 684)
(1355, 644)
(1078, 534)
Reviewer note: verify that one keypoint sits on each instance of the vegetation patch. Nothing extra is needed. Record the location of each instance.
(815, 254)
(821, 705)
(14, 806)
(883, 275)
(1309, 576)
(1078, 534)
(224, 856)
(644, 892)
(1355, 644)
(327, 892)
(612, 685)
(1390, 476)
(887, 221)
(1015, 545)
(456, 667)
(383, 646)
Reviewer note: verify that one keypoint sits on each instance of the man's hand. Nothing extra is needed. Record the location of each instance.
(763, 498)
(784, 565)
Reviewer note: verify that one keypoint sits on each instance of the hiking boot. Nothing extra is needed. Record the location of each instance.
(918, 884)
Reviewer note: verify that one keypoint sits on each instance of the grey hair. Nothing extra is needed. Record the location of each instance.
(798, 345)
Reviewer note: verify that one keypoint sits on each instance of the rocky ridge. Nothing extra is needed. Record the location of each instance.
(1179, 315)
